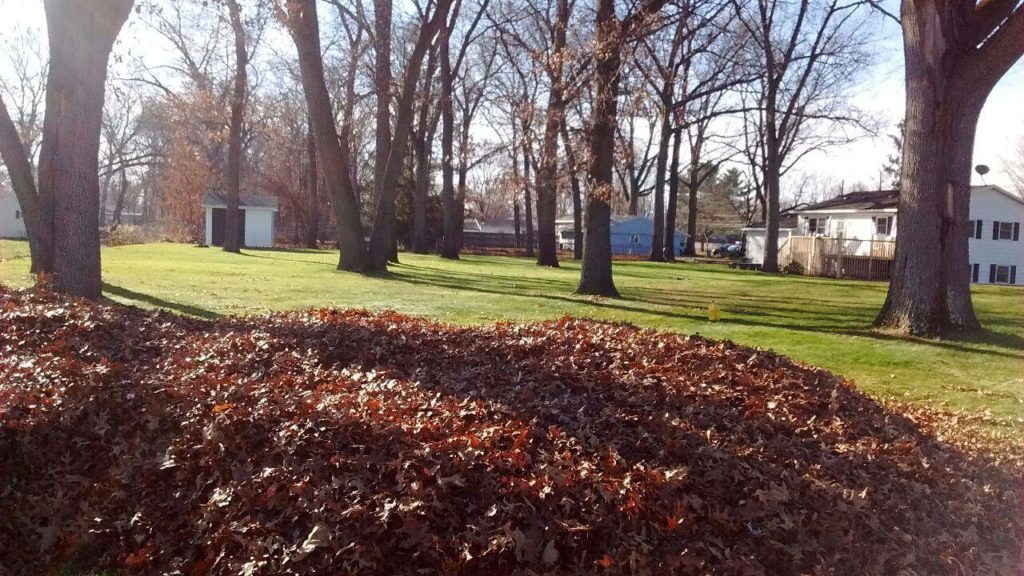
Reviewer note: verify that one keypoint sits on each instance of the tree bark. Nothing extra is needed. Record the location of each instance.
(313, 193)
(233, 216)
(596, 270)
(673, 196)
(81, 35)
(661, 166)
(948, 78)
(36, 210)
(382, 238)
(577, 196)
(547, 175)
(450, 239)
(528, 200)
(333, 152)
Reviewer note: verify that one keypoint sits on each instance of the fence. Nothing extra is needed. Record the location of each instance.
(840, 257)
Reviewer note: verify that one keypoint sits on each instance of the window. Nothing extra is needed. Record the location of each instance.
(975, 269)
(1006, 231)
(634, 238)
(840, 228)
(17, 214)
(816, 225)
(999, 274)
(883, 225)
(974, 229)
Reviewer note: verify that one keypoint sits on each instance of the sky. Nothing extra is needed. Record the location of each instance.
(1000, 128)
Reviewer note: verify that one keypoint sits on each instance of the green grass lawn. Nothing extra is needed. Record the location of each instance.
(819, 321)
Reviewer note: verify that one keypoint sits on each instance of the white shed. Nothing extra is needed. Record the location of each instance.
(258, 219)
(12, 223)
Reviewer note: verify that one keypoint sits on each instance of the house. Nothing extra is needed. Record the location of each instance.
(257, 225)
(12, 223)
(855, 234)
(630, 235)
(493, 234)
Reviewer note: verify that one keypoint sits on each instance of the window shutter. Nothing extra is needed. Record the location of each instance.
(995, 230)
(977, 233)
(1016, 231)
(975, 270)
(1013, 274)
(992, 274)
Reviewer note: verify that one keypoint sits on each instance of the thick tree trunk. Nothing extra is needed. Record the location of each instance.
(596, 271)
(333, 152)
(233, 216)
(419, 222)
(930, 289)
(313, 194)
(673, 196)
(81, 35)
(692, 189)
(450, 239)
(661, 166)
(382, 81)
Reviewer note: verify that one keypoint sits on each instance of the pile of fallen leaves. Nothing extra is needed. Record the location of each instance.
(348, 442)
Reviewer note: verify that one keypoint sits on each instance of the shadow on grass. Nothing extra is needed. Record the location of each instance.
(178, 307)
(809, 323)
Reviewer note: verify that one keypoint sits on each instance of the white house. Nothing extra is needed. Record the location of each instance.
(866, 221)
(258, 219)
(12, 224)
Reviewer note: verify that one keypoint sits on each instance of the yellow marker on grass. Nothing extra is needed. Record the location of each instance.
(714, 312)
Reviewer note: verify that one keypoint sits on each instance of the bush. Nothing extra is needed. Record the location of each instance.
(795, 268)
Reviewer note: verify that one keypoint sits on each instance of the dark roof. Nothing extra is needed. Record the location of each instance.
(787, 219)
(219, 200)
(873, 200)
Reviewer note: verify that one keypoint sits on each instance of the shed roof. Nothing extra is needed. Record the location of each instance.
(219, 200)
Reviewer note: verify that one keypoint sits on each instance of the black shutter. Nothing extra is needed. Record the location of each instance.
(995, 230)
(992, 274)
(975, 269)
(1013, 274)
(1016, 231)
(977, 233)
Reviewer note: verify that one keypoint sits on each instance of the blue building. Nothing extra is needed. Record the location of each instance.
(630, 235)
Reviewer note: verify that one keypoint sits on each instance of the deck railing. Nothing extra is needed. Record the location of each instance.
(840, 257)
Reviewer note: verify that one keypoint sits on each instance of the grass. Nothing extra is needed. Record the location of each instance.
(819, 321)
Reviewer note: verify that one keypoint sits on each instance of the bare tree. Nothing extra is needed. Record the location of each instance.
(807, 54)
(610, 39)
(955, 54)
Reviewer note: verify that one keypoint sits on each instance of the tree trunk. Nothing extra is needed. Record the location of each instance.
(661, 166)
(596, 270)
(333, 152)
(313, 194)
(547, 175)
(449, 240)
(673, 196)
(419, 224)
(577, 196)
(949, 77)
(122, 192)
(692, 189)
(382, 239)
(526, 191)
(771, 181)
(35, 209)
(81, 35)
(233, 216)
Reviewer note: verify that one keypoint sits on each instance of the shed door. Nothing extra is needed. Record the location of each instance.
(220, 223)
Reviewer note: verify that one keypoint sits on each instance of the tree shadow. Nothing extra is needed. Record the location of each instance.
(188, 309)
(420, 446)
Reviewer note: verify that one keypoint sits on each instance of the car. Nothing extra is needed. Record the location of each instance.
(730, 251)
